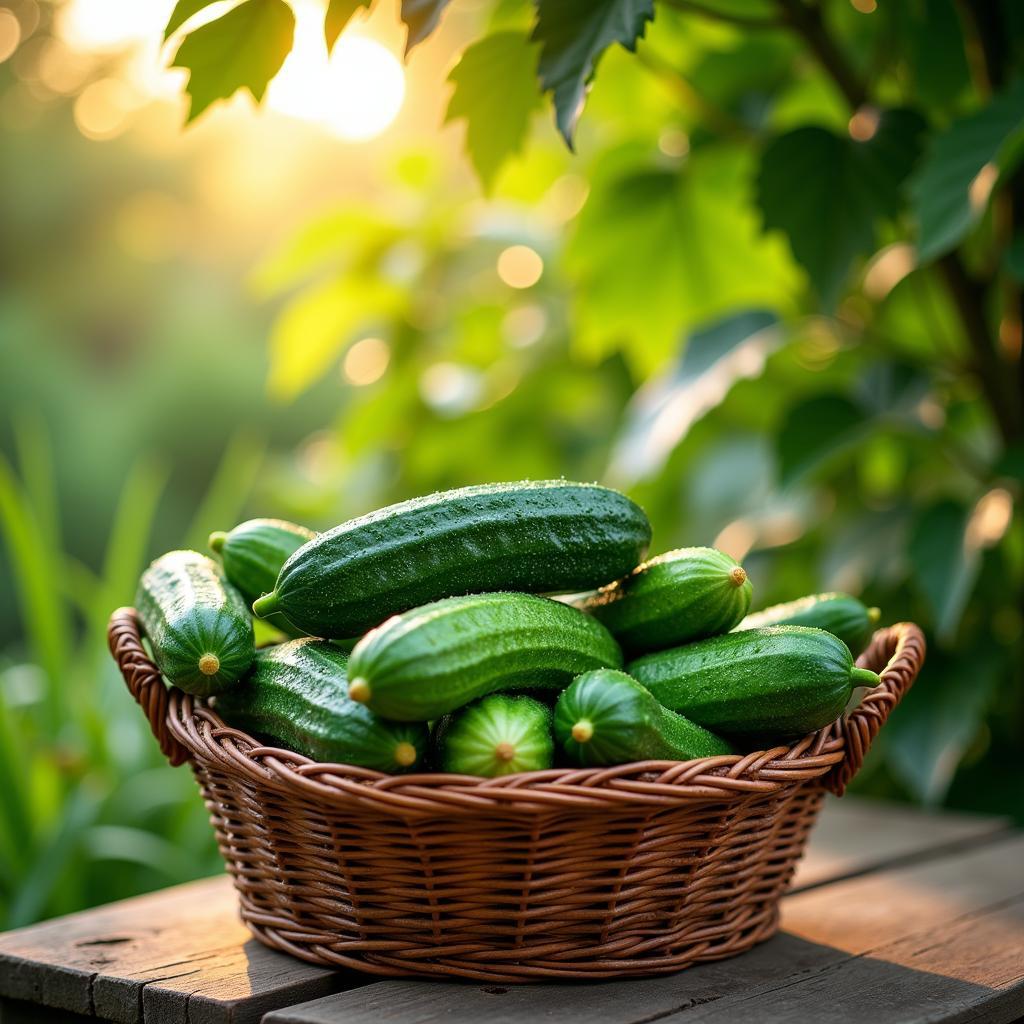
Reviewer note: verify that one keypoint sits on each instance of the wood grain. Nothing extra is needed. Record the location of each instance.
(882, 918)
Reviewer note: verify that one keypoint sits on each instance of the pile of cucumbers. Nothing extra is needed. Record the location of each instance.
(425, 636)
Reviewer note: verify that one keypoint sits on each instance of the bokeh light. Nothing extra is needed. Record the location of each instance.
(519, 266)
(10, 33)
(366, 361)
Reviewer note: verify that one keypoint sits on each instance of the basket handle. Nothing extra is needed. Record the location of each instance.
(901, 649)
(143, 679)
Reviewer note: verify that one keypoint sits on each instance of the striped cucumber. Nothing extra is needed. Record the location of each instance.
(773, 683)
(296, 697)
(839, 614)
(682, 595)
(197, 624)
(605, 717)
(497, 735)
(252, 555)
(539, 537)
(432, 660)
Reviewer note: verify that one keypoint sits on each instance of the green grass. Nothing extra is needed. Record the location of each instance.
(90, 811)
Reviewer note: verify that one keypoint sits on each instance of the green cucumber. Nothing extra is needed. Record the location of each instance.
(252, 555)
(432, 660)
(773, 683)
(498, 735)
(839, 614)
(197, 624)
(682, 595)
(296, 697)
(541, 537)
(605, 717)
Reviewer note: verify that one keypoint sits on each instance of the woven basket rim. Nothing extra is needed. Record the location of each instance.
(189, 730)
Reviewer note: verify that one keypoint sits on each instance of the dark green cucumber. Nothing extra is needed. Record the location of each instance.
(543, 537)
(605, 717)
(682, 595)
(839, 614)
(497, 735)
(432, 660)
(773, 683)
(252, 555)
(198, 625)
(296, 696)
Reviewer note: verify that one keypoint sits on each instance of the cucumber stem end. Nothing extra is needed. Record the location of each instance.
(874, 614)
(505, 751)
(265, 605)
(865, 677)
(209, 664)
(582, 731)
(738, 576)
(216, 541)
(359, 690)
(405, 754)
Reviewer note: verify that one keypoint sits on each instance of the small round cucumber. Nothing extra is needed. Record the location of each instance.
(682, 595)
(606, 717)
(252, 555)
(296, 697)
(840, 614)
(548, 536)
(432, 660)
(774, 683)
(497, 735)
(197, 624)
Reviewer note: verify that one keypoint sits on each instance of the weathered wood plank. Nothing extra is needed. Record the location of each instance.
(856, 835)
(186, 943)
(825, 927)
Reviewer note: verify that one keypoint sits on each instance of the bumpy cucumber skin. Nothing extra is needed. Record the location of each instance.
(501, 734)
(774, 683)
(296, 697)
(187, 609)
(840, 614)
(432, 660)
(677, 597)
(252, 555)
(627, 724)
(539, 537)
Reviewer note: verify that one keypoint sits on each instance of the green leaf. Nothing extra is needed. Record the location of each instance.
(942, 189)
(183, 10)
(339, 14)
(814, 430)
(244, 49)
(933, 42)
(827, 192)
(421, 18)
(659, 252)
(943, 563)
(661, 413)
(495, 92)
(573, 34)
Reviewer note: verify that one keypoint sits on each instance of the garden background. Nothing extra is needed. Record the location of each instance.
(773, 292)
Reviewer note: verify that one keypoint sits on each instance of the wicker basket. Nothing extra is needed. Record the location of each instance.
(564, 874)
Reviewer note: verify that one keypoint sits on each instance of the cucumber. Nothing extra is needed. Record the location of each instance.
(252, 555)
(432, 660)
(839, 614)
(198, 625)
(682, 595)
(498, 735)
(606, 717)
(542, 537)
(296, 697)
(774, 683)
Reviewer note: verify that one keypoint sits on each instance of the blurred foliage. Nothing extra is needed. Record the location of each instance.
(775, 293)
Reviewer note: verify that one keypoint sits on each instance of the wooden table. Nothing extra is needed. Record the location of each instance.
(895, 916)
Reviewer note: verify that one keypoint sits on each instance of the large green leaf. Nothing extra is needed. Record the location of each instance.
(339, 13)
(244, 49)
(827, 192)
(944, 565)
(573, 34)
(421, 18)
(183, 10)
(942, 190)
(815, 430)
(495, 93)
(658, 252)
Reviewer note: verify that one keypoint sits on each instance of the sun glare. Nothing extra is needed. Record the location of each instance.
(356, 94)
